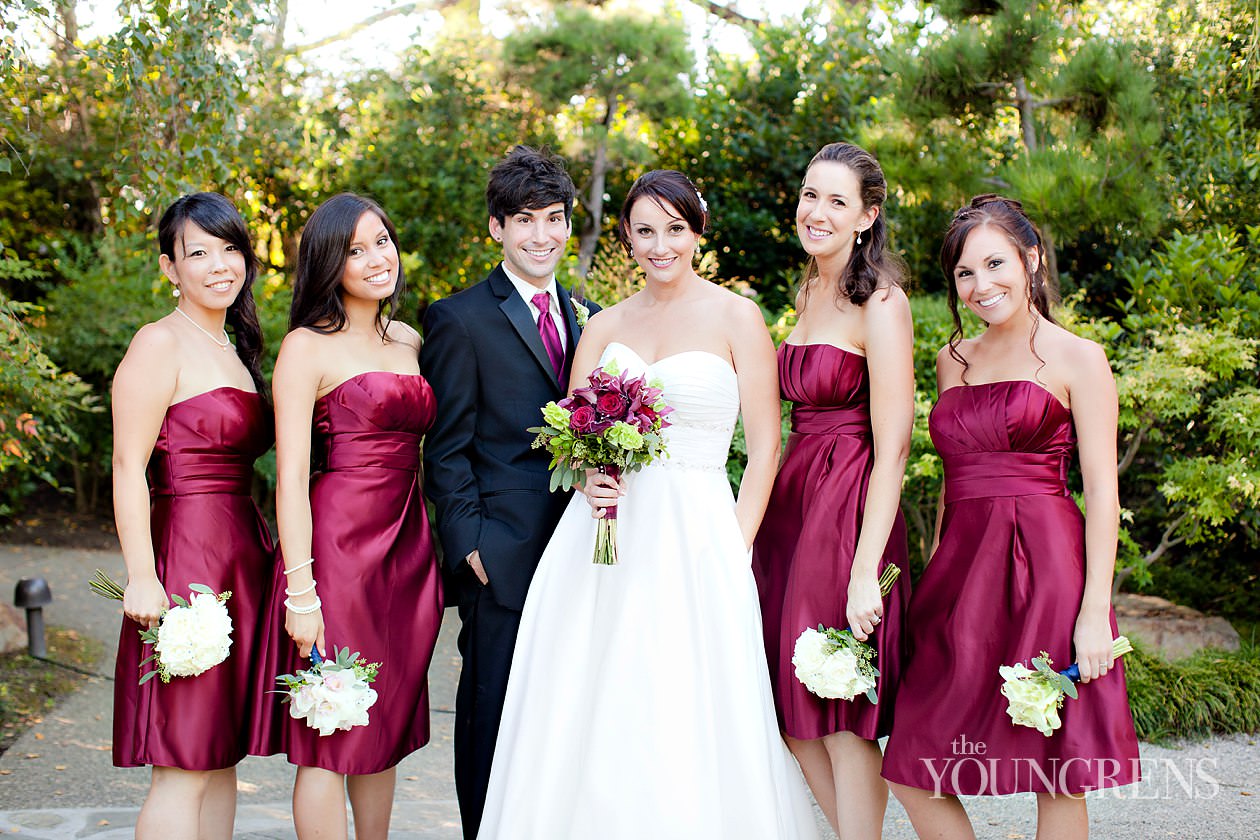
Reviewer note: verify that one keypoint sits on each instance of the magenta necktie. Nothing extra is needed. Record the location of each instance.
(547, 329)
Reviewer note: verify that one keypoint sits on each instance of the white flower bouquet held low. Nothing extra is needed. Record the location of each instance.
(1034, 696)
(833, 664)
(333, 693)
(191, 637)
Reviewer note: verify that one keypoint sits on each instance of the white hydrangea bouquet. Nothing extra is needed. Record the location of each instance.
(191, 637)
(1034, 696)
(833, 664)
(333, 693)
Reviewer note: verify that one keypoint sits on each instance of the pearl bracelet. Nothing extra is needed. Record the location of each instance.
(307, 610)
(288, 572)
(293, 594)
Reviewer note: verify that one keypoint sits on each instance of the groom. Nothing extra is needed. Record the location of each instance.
(495, 354)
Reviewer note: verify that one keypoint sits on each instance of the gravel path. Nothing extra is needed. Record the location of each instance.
(57, 782)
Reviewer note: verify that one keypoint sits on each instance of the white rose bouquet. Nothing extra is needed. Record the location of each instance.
(1034, 696)
(333, 693)
(191, 637)
(833, 664)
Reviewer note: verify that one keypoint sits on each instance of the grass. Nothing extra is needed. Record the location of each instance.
(1212, 692)
(30, 688)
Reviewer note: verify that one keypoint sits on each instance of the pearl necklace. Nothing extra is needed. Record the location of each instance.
(223, 345)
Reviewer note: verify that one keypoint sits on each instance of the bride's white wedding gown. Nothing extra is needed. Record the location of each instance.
(639, 705)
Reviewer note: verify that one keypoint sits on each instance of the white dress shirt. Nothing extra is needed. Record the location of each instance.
(528, 290)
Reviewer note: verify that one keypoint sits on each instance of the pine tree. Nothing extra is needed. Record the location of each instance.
(1037, 102)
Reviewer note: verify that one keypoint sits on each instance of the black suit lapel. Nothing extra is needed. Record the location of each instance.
(571, 329)
(518, 314)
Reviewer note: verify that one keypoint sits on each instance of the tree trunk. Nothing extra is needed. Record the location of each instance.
(1028, 130)
(282, 19)
(593, 226)
(919, 523)
(1052, 258)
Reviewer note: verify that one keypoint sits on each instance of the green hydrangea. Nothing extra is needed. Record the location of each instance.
(625, 436)
(556, 417)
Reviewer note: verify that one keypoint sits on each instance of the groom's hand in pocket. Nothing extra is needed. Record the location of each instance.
(474, 562)
(601, 491)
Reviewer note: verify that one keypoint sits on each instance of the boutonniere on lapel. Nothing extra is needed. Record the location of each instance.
(580, 312)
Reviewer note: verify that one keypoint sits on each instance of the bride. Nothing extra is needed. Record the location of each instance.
(639, 703)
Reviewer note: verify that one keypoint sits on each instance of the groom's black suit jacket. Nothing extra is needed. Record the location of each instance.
(485, 360)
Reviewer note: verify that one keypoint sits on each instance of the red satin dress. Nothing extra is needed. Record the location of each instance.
(206, 529)
(1004, 585)
(804, 550)
(376, 571)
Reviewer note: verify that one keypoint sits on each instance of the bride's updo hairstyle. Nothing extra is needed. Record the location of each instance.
(1007, 216)
(321, 261)
(666, 187)
(218, 216)
(871, 265)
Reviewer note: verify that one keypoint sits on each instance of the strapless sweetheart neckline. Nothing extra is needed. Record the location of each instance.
(215, 391)
(1036, 385)
(350, 379)
(662, 359)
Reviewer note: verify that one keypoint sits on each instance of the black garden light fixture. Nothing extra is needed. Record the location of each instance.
(32, 595)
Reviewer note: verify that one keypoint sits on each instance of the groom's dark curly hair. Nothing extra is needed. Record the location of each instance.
(529, 179)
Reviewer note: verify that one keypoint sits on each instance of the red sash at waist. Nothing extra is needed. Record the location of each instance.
(373, 450)
(983, 475)
(809, 420)
(198, 473)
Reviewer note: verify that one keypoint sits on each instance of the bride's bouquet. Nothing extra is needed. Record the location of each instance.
(1034, 696)
(613, 425)
(833, 664)
(191, 637)
(331, 694)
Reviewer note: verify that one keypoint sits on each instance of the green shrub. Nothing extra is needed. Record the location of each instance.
(1212, 692)
(39, 408)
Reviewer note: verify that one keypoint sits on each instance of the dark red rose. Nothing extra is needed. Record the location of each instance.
(583, 419)
(612, 404)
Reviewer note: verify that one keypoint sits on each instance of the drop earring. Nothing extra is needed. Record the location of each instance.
(175, 292)
(859, 237)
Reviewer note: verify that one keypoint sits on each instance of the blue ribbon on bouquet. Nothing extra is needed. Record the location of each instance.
(317, 658)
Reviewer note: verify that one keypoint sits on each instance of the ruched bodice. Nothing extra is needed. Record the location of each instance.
(205, 529)
(208, 444)
(803, 557)
(1009, 438)
(828, 389)
(703, 390)
(374, 561)
(374, 420)
(1004, 585)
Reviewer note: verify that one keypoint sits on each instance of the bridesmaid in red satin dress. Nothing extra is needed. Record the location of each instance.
(1016, 569)
(834, 520)
(348, 390)
(192, 410)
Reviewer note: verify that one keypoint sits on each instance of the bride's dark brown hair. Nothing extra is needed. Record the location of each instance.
(1007, 216)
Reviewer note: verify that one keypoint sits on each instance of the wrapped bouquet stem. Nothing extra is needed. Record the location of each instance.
(1034, 696)
(191, 637)
(606, 530)
(833, 664)
(614, 426)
